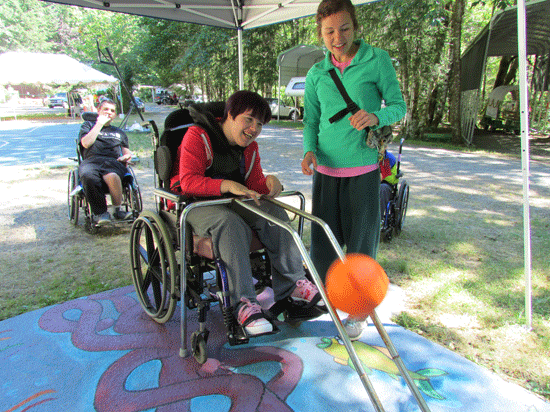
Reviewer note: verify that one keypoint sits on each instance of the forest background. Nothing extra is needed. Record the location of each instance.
(424, 37)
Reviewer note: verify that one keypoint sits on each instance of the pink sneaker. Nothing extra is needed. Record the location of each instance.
(250, 316)
(306, 291)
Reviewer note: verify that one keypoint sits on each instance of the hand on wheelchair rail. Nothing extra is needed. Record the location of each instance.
(230, 186)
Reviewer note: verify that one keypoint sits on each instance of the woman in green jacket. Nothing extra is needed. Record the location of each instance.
(346, 178)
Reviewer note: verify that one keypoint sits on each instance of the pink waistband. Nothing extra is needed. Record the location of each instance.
(346, 171)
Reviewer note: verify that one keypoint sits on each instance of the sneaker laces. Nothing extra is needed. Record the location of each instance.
(306, 290)
(248, 309)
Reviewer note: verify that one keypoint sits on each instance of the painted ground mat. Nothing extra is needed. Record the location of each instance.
(102, 353)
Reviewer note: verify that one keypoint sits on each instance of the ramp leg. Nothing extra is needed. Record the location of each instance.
(399, 362)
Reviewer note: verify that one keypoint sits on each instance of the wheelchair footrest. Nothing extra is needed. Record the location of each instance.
(295, 311)
(236, 334)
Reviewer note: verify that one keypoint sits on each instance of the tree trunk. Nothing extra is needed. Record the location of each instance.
(454, 78)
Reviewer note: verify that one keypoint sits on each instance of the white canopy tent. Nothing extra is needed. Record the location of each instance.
(236, 14)
(59, 69)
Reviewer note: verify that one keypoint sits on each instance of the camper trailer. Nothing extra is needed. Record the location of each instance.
(296, 87)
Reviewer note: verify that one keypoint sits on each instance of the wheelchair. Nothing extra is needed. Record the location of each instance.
(76, 198)
(171, 265)
(393, 215)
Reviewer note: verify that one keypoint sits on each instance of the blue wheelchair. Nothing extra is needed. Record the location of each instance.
(394, 212)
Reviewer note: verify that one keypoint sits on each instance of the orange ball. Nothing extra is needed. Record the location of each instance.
(356, 285)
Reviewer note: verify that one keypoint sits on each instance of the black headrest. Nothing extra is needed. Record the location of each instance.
(89, 116)
(215, 108)
(177, 118)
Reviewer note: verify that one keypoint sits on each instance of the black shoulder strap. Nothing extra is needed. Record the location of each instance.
(351, 106)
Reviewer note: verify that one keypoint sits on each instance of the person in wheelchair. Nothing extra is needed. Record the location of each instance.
(388, 176)
(105, 155)
(219, 157)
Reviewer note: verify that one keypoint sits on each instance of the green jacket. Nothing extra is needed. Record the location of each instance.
(369, 79)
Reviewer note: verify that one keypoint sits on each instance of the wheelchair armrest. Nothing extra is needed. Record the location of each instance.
(166, 194)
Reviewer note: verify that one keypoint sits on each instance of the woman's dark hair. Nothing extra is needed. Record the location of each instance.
(329, 7)
(244, 100)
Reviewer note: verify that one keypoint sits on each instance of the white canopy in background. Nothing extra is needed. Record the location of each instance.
(32, 68)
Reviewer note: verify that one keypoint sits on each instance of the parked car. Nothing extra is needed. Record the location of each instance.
(278, 107)
(164, 97)
(58, 100)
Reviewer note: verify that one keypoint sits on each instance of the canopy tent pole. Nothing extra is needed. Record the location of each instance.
(240, 51)
(279, 95)
(524, 121)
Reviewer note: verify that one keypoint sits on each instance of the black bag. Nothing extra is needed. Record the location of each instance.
(376, 139)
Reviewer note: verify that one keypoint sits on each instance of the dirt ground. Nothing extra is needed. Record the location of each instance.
(39, 246)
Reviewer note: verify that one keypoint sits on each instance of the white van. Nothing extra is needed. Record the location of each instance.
(296, 87)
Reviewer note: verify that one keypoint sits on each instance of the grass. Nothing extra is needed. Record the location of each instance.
(461, 271)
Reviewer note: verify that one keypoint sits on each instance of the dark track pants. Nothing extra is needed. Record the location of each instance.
(351, 208)
(91, 172)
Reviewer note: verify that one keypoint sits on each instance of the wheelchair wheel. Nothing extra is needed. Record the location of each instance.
(136, 203)
(89, 226)
(133, 198)
(154, 266)
(73, 200)
(198, 347)
(402, 203)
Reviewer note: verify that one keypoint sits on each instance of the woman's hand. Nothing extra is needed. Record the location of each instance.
(274, 185)
(362, 120)
(230, 186)
(309, 159)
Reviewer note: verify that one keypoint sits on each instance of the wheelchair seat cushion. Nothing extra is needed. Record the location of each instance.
(202, 246)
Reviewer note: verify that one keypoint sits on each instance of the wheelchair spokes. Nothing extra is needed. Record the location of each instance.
(73, 197)
(153, 267)
(402, 203)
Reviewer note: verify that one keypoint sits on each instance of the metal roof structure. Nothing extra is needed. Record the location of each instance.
(296, 62)
(500, 38)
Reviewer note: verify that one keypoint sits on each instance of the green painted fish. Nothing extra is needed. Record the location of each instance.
(375, 357)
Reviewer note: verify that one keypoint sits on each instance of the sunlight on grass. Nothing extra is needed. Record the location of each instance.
(446, 209)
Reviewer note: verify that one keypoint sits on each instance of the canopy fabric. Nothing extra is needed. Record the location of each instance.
(237, 14)
(32, 68)
(500, 38)
(245, 14)
(297, 61)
